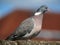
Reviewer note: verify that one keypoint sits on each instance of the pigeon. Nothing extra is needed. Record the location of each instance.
(30, 27)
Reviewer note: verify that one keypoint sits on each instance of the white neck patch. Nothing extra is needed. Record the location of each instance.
(38, 13)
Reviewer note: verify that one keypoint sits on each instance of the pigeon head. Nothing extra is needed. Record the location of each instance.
(41, 10)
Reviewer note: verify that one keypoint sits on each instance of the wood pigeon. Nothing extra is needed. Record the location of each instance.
(30, 27)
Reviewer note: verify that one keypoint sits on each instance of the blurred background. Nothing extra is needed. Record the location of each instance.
(15, 11)
(6, 6)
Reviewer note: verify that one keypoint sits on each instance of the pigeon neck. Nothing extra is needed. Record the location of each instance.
(38, 13)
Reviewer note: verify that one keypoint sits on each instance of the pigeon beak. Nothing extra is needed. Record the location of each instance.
(49, 10)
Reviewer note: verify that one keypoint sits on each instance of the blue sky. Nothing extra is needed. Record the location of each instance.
(7, 6)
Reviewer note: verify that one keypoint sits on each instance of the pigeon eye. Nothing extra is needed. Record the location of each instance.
(46, 7)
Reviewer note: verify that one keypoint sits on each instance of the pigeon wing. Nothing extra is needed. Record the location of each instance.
(25, 27)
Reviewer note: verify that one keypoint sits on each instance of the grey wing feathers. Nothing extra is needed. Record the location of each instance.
(25, 27)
